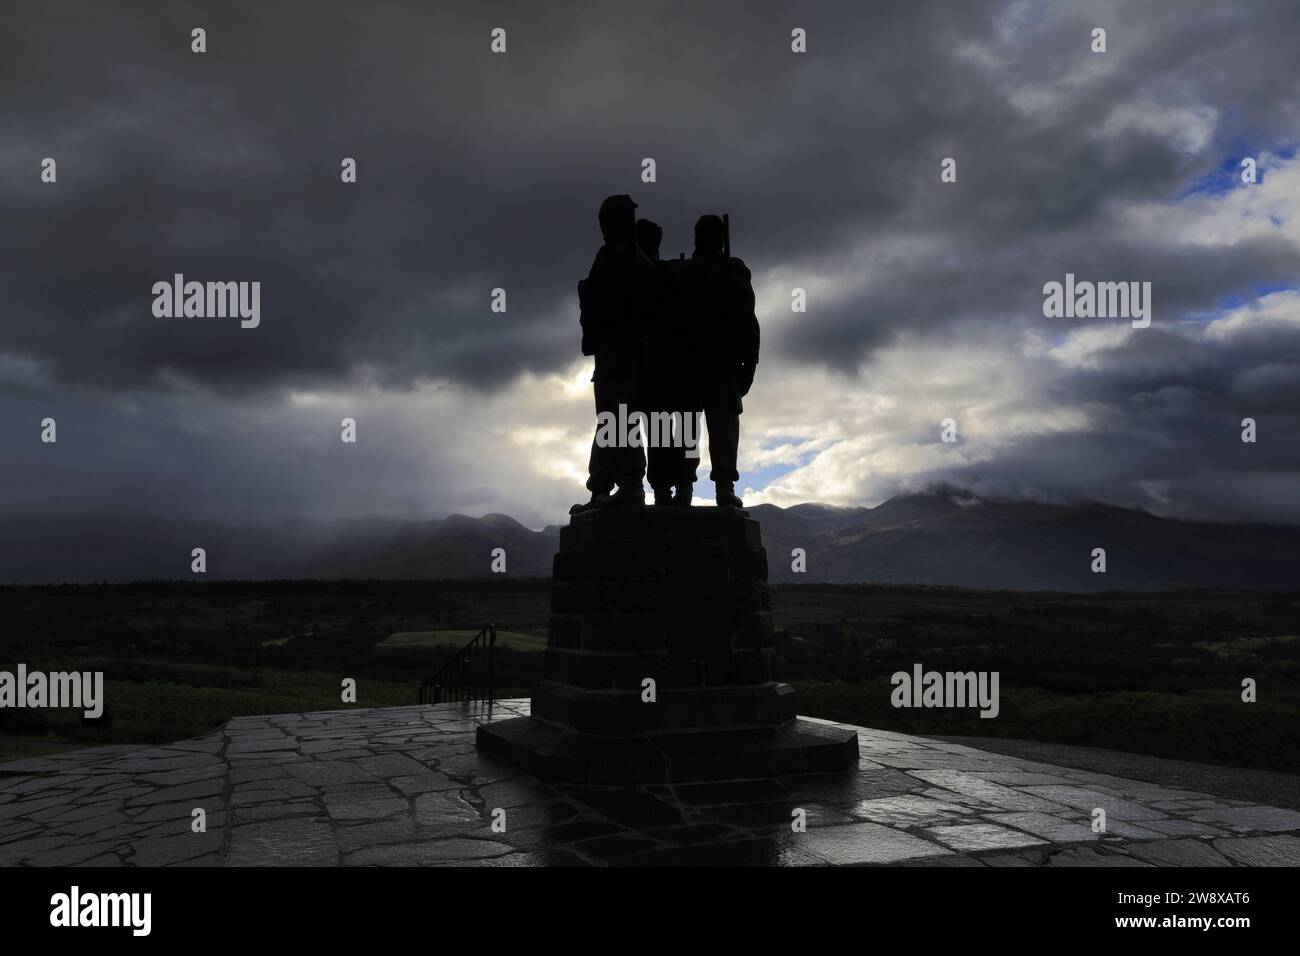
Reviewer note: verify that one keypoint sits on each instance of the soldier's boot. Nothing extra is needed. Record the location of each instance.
(663, 496)
(627, 495)
(598, 499)
(683, 497)
(727, 495)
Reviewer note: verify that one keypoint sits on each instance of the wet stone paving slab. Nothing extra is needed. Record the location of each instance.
(405, 786)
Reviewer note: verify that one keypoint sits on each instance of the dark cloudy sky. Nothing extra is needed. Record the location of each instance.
(479, 170)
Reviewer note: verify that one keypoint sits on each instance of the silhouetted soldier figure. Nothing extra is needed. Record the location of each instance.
(721, 341)
(665, 392)
(614, 302)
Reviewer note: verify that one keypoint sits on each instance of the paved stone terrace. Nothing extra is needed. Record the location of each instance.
(405, 786)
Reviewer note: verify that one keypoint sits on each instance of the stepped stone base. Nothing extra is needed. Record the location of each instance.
(677, 708)
(676, 598)
(556, 754)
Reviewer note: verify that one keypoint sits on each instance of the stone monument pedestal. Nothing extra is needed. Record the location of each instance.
(659, 659)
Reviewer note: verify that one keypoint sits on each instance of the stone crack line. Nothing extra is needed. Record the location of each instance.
(227, 798)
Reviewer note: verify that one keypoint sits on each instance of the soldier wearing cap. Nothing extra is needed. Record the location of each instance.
(720, 336)
(616, 305)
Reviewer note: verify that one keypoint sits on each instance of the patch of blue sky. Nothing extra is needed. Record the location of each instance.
(759, 478)
(1227, 176)
(1236, 300)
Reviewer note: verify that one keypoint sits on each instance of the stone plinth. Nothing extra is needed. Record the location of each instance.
(678, 597)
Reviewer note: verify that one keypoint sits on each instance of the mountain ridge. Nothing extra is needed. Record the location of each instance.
(939, 536)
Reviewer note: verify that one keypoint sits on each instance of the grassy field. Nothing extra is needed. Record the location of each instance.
(158, 702)
(1212, 727)
(454, 640)
(1152, 674)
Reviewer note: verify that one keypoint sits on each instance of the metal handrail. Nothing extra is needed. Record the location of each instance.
(467, 676)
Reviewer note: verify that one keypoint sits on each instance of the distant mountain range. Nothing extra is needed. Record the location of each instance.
(940, 537)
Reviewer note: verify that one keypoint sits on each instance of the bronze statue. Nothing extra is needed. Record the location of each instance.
(673, 341)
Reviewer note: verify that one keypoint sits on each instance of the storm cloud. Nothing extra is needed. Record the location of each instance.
(478, 171)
